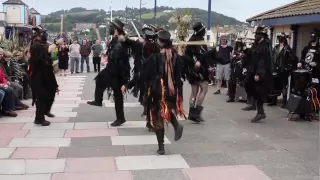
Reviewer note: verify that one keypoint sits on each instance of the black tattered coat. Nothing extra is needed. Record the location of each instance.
(43, 80)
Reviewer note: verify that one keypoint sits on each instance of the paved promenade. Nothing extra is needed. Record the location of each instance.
(81, 145)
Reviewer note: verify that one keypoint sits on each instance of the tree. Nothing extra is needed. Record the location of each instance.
(183, 20)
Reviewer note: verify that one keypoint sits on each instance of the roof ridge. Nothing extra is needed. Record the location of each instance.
(278, 8)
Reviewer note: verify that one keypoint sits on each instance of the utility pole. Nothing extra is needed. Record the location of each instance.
(155, 12)
(132, 14)
(126, 15)
(111, 11)
(209, 20)
(141, 4)
(140, 10)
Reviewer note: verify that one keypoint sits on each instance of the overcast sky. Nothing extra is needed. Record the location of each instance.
(240, 9)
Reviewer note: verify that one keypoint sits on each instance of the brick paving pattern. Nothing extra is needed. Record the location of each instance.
(80, 144)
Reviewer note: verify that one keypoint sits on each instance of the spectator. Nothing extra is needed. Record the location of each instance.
(9, 72)
(224, 60)
(63, 57)
(74, 55)
(23, 63)
(85, 51)
(97, 49)
(8, 98)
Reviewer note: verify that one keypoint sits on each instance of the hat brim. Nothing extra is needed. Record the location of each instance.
(116, 25)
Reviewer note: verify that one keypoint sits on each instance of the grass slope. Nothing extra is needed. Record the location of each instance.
(151, 14)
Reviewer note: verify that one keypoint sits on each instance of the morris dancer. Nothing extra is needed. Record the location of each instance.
(43, 81)
(197, 77)
(143, 49)
(163, 73)
(116, 74)
(261, 72)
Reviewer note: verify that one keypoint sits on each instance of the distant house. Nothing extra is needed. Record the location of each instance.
(35, 17)
(297, 19)
(15, 18)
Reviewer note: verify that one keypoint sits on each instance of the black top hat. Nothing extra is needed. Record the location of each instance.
(117, 24)
(164, 35)
(146, 27)
(261, 30)
(149, 32)
(197, 27)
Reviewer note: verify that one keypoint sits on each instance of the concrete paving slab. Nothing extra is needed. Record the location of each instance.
(5, 153)
(226, 173)
(136, 140)
(40, 142)
(140, 150)
(90, 133)
(26, 177)
(120, 175)
(150, 162)
(130, 124)
(87, 165)
(91, 141)
(12, 167)
(91, 125)
(210, 159)
(159, 174)
(53, 126)
(96, 151)
(35, 153)
(45, 166)
(45, 134)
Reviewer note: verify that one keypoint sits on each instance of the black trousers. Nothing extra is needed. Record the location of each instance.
(232, 86)
(249, 87)
(260, 94)
(96, 63)
(25, 85)
(44, 104)
(118, 102)
(118, 98)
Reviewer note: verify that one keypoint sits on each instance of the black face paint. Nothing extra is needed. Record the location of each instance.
(257, 37)
(313, 39)
(44, 37)
(111, 30)
(281, 40)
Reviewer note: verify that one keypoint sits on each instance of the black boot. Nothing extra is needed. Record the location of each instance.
(284, 101)
(50, 115)
(94, 103)
(178, 128)
(251, 106)
(149, 126)
(260, 115)
(193, 115)
(230, 100)
(199, 112)
(41, 122)
(273, 101)
(160, 138)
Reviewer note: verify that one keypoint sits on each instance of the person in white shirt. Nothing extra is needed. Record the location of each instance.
(74, 50)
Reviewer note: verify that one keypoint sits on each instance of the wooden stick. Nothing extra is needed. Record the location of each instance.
(192, 43)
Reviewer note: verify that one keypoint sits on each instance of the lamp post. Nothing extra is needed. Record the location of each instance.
(155, 12)
(209, 20)
(141, 4)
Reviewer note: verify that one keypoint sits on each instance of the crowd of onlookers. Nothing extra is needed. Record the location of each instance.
(14, 81)
(76, 54)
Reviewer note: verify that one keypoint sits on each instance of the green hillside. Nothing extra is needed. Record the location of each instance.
(150, 15)
(82, 15)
